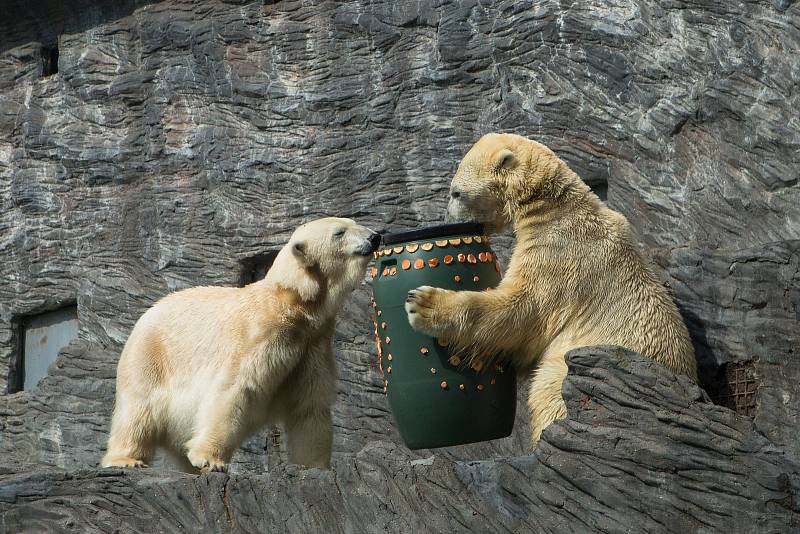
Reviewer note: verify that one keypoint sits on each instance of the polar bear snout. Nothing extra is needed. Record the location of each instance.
(370, 244)
(374, 241)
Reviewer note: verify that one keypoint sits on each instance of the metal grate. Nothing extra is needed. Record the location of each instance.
(738, 392)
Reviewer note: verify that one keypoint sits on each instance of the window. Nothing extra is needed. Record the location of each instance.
(41, 337)
(255, 268)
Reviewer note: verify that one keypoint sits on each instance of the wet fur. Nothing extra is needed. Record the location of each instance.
(575, 278)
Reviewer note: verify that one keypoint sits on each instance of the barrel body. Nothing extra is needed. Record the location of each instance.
(436, 398)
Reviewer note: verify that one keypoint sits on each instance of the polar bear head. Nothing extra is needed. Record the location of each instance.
(325, 259)
(505, 175)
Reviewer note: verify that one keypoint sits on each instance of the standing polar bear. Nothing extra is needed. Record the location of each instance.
(205, 367)
(575, 278)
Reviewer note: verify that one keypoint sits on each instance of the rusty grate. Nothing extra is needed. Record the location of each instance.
(738, 388)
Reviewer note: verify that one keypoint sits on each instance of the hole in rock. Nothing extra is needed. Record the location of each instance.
(49, 60)
(255, 267)
(735, 387)
(40, 338)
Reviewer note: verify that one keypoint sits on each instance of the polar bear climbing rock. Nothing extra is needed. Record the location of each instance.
(575, 278)
(205, 367)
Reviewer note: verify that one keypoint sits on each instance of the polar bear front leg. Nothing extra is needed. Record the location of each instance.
(310, 439)
(427, 309)
(217, 435)
(486, 322)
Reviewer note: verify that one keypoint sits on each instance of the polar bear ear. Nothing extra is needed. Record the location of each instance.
(505, 161)
(300, 251)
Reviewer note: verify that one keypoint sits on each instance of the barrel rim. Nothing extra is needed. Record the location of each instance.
(432, 232)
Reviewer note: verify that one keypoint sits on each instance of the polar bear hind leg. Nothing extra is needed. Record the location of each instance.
(131, 441)
(544, 395)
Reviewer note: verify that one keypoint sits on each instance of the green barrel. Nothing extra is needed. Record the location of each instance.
(436, 398)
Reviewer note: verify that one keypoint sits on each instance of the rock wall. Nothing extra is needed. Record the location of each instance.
(177, 139)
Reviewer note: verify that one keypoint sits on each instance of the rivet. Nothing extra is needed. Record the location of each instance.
(443, 385)
(448, 259)
(482, 257)
(385, 383)
(389, 370)
(405, 264)
(479, 387)
(373, 272)
(467, 240)
(488, 256)
(389, 357)
(472, 259)
(379, 312)
(461, 387)
(462, 258)
(433, 262)
(492, 381)
(392, 271)
(457, 278)
(373, 303)
(398, 250)
(375, 255)
(426, 246)
(412, 247)
(476, 279)
(424, 350)
(441, 243)
(454, 360)
(455, 242)
(419, 263)
(388, 340)
(478, 239)
(383, 325)
(385, 389)
(387, 252)
(433, 370)
(385, 271)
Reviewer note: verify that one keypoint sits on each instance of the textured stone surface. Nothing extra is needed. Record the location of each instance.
(179, 138)
(640, 450)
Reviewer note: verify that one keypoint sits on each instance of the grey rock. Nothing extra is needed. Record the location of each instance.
(642, 450)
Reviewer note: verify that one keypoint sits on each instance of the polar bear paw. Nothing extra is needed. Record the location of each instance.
(123, 461)
(420, 308)
(206, 462)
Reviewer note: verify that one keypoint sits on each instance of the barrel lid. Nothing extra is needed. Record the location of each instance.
(433, 232)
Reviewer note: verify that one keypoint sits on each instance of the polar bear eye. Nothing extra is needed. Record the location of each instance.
(339, 233)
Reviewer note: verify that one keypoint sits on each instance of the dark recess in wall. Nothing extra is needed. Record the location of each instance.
(254, 268)
(600, 189)
(49, 60)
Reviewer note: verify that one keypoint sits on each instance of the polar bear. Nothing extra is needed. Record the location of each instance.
(575, 277)
(207, 366)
